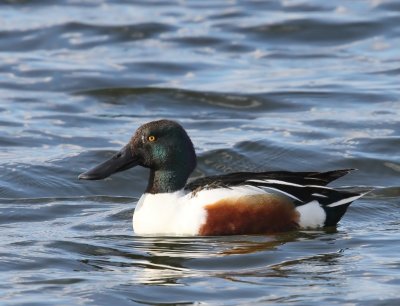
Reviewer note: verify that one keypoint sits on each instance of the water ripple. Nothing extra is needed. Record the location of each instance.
(259, 85)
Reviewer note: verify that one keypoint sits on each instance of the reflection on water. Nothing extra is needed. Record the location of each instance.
(259, 85)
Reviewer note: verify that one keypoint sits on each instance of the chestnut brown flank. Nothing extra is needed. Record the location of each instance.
(255, 214)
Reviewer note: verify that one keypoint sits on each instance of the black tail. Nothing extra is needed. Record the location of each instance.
(335, 211)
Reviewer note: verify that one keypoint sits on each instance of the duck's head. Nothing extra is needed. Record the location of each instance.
(163, 146)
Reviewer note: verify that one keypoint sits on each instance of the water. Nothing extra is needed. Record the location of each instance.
(259, 85)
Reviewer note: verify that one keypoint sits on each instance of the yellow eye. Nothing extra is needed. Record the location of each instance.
(151, 138)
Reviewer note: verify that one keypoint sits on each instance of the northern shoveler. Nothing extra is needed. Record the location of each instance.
(229, 204)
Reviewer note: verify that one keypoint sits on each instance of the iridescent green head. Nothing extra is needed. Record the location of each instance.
(164, 147)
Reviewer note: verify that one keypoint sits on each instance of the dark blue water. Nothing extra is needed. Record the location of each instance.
(259, 85)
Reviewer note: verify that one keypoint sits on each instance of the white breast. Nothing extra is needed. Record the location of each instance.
(167, 214)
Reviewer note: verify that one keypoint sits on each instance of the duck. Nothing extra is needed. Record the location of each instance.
(239, 203)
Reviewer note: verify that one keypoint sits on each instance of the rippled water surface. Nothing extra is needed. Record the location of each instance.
(259, 85)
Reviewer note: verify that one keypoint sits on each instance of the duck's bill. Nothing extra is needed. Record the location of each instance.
(120, 161)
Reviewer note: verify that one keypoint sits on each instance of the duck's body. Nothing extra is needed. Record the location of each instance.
(252, 206)
(219, 211)
(236, 203)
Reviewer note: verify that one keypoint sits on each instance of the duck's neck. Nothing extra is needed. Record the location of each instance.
(163, 181)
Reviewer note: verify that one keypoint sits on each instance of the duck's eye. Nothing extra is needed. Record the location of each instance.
(151, 138)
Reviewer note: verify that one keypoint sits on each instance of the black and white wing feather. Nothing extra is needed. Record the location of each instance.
(300, 187)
